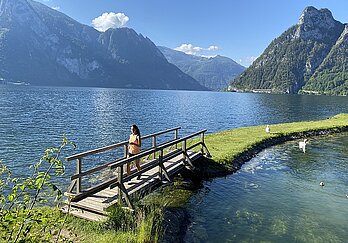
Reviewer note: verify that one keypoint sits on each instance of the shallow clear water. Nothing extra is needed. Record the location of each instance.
(34, 118)
(276, 197)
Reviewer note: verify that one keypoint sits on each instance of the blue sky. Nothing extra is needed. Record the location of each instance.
(239, 29)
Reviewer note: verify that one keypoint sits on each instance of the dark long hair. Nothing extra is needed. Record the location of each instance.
(137, 132)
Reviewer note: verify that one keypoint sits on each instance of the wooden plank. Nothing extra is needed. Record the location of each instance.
(83, 214)
(101, 199)
(89, 207)
(94, 189)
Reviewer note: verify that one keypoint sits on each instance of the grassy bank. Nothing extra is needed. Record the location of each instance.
(228, 146)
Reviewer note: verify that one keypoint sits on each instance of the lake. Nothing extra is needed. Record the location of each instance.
(276, 197)
(34, 118)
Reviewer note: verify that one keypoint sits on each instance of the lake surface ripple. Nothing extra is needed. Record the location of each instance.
(276, 197)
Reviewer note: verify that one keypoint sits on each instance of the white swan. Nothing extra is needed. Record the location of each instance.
(302, 145)
(268, 130)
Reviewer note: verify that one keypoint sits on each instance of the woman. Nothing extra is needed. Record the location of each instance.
(134, 144)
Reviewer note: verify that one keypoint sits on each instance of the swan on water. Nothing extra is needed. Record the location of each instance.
(302, 145)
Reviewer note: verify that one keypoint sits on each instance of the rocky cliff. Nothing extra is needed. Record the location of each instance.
(296, 57)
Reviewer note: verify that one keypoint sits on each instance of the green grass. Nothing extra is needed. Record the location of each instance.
(144, 227)
(228, 145)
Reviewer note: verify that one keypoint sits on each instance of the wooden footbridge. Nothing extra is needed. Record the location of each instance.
(159, 163)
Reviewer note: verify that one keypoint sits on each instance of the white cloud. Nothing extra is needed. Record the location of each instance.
(195, 50)
(211, 56)
(213, 48)
(110, 20)
(247, 61)
(56, 8)
(189, 49)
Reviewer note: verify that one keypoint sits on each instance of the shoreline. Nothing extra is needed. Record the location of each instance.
(220, 166)
(247, 155)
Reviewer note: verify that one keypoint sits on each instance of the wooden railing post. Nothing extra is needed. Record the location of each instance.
(120, 179)
(160, 165)
(125, 150)
(78, 171)
(184, 150)
(120, 174)
(176, 137)
(202, 141)
(154, 144)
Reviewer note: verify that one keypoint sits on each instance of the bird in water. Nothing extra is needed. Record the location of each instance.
(321, 183)
(302, 145)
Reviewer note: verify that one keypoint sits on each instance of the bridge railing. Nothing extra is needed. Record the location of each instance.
(76, 179)
(158, 161)
(161, 153)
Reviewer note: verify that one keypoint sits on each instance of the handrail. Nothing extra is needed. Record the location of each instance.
(161, 132)
(102, 149)
(159, 159)
(153, 150)
(100, 167)
(95, 151)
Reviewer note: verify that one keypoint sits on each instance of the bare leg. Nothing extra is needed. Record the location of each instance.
(128, 169)
(137, 164)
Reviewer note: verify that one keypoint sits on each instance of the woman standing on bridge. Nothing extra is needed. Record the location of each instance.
(134, 144)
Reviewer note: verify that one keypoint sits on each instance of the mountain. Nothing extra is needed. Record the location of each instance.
(213, 72)
(331, 77)
(41, 46)
(303, 59)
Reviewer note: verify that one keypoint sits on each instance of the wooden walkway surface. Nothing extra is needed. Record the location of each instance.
(167, 160)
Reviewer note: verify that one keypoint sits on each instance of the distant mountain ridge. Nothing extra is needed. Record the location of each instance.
(213, 73)
(310, 57)
(41, 46)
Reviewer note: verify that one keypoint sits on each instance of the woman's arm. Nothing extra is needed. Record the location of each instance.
(139, 141)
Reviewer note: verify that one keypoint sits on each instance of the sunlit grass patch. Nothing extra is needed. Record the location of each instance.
(227, 145)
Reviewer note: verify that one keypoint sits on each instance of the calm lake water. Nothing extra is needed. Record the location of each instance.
(276, 197)
(34, 118)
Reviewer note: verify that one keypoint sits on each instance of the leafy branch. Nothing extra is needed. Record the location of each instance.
(19, 219)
